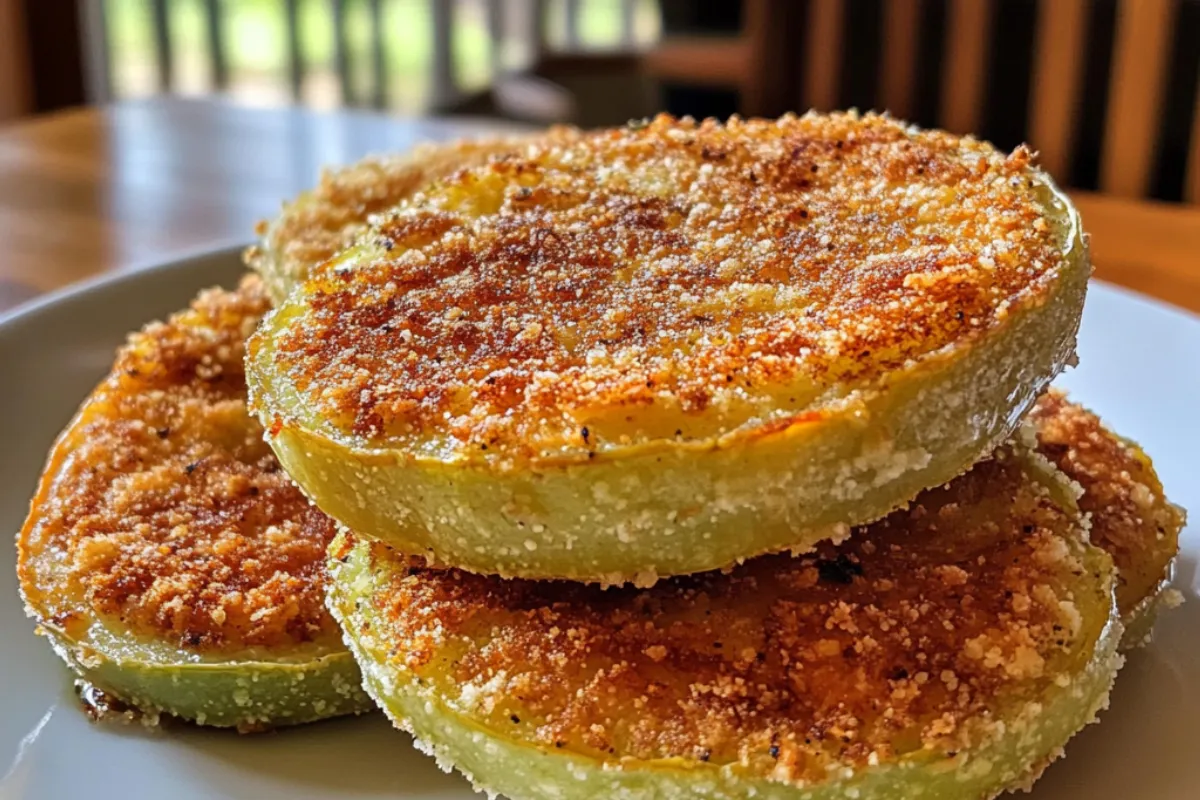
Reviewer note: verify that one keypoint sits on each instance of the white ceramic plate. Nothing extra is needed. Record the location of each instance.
(1140, 370)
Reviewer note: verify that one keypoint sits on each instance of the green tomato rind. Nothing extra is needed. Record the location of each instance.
(1139, 622)
(665, 507)
(109, 474)
(256, 692)
(1035, 731)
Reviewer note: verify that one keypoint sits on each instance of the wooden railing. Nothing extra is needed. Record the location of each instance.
(511, 25)
(1107, 90)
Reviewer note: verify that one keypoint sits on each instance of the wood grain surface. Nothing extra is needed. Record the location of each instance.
(98, 190)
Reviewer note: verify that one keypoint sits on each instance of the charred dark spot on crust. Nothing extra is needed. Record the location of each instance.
(839, 570)
(64, 618)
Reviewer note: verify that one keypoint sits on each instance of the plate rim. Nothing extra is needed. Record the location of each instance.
(37, 309)
(62, 294)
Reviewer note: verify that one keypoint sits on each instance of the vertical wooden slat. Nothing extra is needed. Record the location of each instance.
(1135, 95)
(443, 89)
(926, 97)
(216, 44)
(1191, 191)
(1008, 73)
(295, 50)
(1088, 126)
(539, 22)
(897, 81)
(97, 54)
(1173, 138)
(571, 12)
(755, 24)
(963, 74)
(496, 27)
(529, 30)
(14, 62)
(53, 49)
(161, 24)
(341, 52)
(862, 53)
(1057, 71)
(628, 24)
(767, 87)
(379, 88)
(823, 49)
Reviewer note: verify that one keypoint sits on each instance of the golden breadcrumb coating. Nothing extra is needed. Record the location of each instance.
(556, 296)
(908, 636)
(163, 509)
(1131, 517)
(326, 220)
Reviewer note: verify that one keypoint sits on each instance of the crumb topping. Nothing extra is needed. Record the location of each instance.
(671, 280)
(1131, 517)
(916, 633)
(330, 217)
(166, 510)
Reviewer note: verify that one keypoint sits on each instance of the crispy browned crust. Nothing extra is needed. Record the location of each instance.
(329, 218)
(1131, 517)
(720, 271)
(903, 638)
(161, 507)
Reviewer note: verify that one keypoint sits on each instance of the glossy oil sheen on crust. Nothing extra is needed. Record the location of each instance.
(718, 362)
(949, 650)
(167, 556)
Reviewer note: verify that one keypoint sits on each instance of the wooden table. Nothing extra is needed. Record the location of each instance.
(97, 190)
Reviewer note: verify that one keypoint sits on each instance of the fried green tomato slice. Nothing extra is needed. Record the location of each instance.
(319, 223)
(664, 349)
(1130, 515)
(947, 651)
(167, 557)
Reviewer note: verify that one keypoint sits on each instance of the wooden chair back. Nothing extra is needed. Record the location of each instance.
(1143, 69)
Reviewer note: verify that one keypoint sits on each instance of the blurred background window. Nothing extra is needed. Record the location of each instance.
(1107, 90)
(388, 54)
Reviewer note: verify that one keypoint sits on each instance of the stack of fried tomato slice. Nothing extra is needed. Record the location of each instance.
(168, 558)
(949, 650)
(656, 356)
